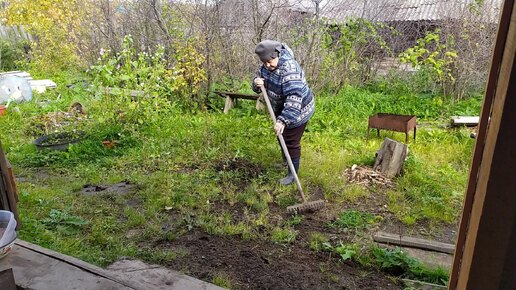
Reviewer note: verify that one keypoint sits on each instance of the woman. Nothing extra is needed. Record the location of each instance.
(291, 99)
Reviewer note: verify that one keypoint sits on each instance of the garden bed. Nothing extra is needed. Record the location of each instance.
(264, 265)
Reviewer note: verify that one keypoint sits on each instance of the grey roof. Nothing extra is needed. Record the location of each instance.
(408, 10)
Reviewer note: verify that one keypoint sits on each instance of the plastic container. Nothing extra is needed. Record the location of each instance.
(60, 141)
(7, 232)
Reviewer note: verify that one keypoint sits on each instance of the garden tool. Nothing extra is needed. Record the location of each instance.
(306, 206)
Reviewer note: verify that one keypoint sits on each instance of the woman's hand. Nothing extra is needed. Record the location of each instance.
(259, 82)
(279, 127)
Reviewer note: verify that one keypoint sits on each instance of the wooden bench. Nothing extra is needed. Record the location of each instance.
(393, 122)
(231, 99)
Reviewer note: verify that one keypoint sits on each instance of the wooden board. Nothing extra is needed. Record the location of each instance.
(8, 190)
(41, 86)
(20, 74)
(413, 284)
(486, 254)
(45, 83)
(465, 120)
(394, 239)
(7, 280)
(238, 95)
(231, 99)
(13, 180)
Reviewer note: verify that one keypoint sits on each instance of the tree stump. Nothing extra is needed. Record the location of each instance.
(390, 158)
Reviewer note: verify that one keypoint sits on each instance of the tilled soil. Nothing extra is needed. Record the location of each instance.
(265, 265)
(261, 264)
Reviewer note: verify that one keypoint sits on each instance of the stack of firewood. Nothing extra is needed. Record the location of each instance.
(366, 176)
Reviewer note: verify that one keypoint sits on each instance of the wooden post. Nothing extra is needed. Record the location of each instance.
(485, 256)
(8, 186)
(229, 104)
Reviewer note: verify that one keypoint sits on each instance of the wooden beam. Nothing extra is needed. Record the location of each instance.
(13, 180)
(488, 227)
(231, 99)
(230, 103)
(4, 202)
(238, 95)
(9, 185)
(496, 61)
(413, 284)
(394, 239)
(465, 120)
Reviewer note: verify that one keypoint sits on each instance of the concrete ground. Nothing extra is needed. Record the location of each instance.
(37, 268)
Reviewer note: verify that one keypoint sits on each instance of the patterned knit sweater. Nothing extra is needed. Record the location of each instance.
(291, 98)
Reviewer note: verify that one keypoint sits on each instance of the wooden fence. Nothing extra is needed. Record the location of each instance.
(14, 33)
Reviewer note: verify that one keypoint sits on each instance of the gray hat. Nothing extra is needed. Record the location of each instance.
(268, 49)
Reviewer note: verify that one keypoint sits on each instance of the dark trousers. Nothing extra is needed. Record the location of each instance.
(293, 140)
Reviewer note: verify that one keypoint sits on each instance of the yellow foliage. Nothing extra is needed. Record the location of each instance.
(188, 72)
(56, 26)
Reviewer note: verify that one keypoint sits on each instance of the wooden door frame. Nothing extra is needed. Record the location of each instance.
(485, 257)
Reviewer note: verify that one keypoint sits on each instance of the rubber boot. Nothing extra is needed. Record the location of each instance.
(289, 179)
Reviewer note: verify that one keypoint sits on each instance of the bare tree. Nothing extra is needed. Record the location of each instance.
(226, 32)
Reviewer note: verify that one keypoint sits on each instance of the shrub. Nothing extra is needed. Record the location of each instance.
(352, 49)
(57, 28)
(435, 55)
(12, 54)
(144, 84)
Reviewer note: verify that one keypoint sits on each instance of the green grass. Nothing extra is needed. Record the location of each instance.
(222, 281)
(217, 172)
(283, 235)
(355, 220)
(398, 263)
(318, 241)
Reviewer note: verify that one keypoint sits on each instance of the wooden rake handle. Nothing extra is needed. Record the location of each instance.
(282, 143)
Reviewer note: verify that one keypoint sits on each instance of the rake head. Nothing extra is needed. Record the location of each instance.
(306, 207)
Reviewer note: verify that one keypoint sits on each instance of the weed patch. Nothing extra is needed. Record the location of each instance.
(64, 222)
(283, 235)
(398, 263)
(354, 220)
(318, 242)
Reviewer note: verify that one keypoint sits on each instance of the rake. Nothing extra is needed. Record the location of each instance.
(306, 206)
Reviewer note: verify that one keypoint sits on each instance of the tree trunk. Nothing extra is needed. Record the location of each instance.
(389, 160)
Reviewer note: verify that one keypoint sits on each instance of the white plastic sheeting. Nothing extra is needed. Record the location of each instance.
(14, 89)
